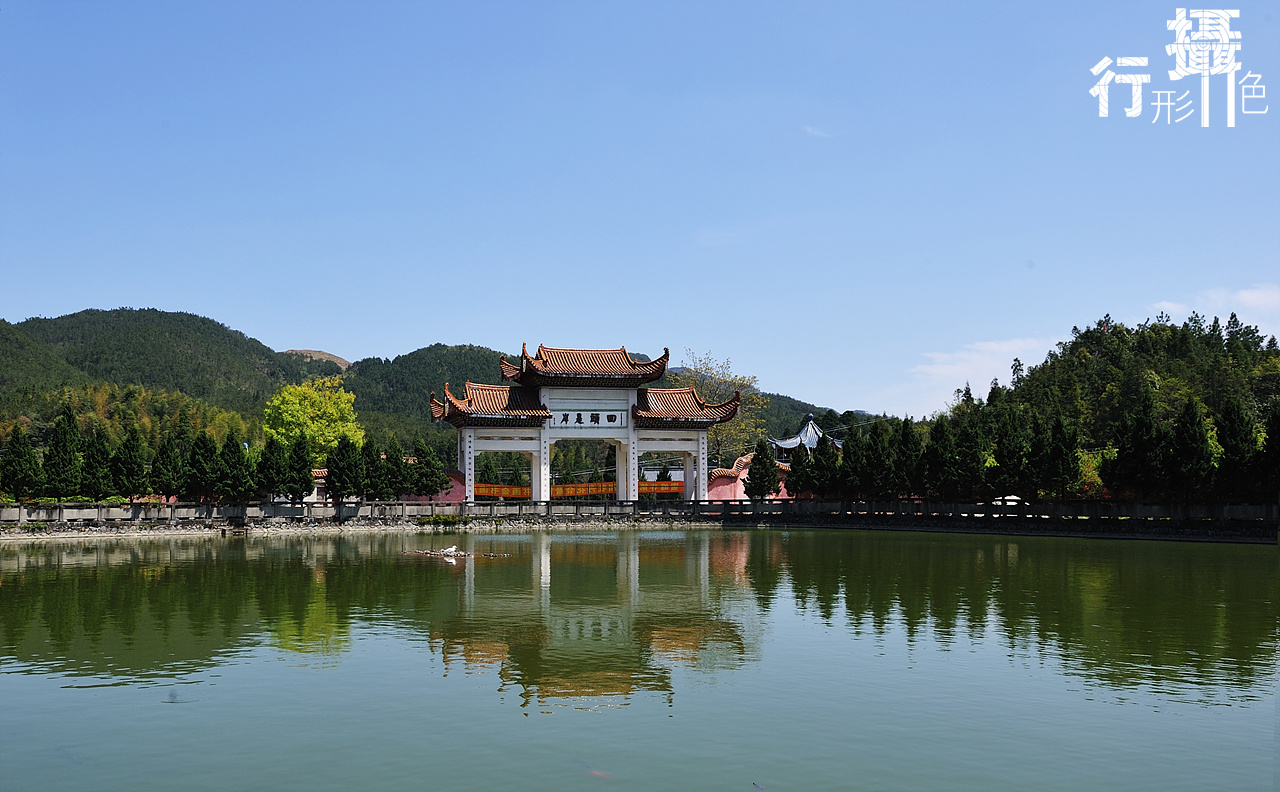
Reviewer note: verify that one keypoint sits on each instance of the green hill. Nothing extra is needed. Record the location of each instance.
(172, 352)
(28, 363)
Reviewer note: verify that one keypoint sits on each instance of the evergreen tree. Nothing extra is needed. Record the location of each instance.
(852, 463)
(1063, 458)
(1039, 440)
(235, 480)
(96, 478)
(203, 468)
(1139, 466)
(399, 481)
(972, 464)
(825, 469)
(129, 466)
(1191, 452)
(429, 476)
(879, 476)
(272, 473)
(299, 482)
(21, 474)
(664, 474)
(169, 468)
(345, 476)
(907, 453)
(375, 484)
(62, 462)
(1012, 449)
(1267, 461)
(800, 476)
(1235, 477)
(942, 478)
(762, 476)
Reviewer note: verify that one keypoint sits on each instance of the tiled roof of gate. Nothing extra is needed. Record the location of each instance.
(488, 403)
(680, 407)
(552, 364)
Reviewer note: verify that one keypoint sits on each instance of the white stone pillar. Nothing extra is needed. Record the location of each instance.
(541, 486)
(702, 466)
(690, 468)
(467, 460)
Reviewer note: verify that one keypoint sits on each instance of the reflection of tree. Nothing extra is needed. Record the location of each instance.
(318, 631)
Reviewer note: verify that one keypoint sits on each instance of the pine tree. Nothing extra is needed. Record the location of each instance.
(235, 481)
(397, 471)
(1191, 452)
(852, 464)
(129, 466)
(1236, 431)
(169, 468)
(272, 473)
(96, 478)
(376, 483)
(1139, 466)
(21, 474)
(907, 452)
(762, 476)
(62, 462)
(1267, 461)
(345, 476)
(825, 468)
(1063, 458)
(971, 468)
(879, 476)
(1012, 449)
(299, 482)
(800, 475)
(429, 477)
(203, 468)
(942, 478)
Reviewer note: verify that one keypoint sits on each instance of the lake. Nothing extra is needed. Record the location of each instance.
(663, 660)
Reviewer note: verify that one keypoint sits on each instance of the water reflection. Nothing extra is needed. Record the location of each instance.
(572, 618)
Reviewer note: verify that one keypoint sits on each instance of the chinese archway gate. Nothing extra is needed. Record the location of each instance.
(599, 394)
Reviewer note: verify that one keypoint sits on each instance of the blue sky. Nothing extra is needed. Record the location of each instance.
(865, 205)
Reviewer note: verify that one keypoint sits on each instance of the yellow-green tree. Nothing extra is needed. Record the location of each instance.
(320, 411)
(715, 382)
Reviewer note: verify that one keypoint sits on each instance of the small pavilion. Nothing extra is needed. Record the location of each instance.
(597, 394)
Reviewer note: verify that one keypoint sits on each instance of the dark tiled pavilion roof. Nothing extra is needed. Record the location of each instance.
(609, 368)
(490, 405)
(680, 408)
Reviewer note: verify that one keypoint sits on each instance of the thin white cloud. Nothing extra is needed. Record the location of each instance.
(816, 132)
(977, 364)
(1257, 305)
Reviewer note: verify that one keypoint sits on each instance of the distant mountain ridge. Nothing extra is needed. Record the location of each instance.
(205, 359)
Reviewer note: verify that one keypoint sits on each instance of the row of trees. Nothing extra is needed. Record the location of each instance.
(193, 466)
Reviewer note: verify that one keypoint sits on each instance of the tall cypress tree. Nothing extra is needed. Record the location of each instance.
(762, 476)
(800, 472)
(203, 468)
(1267, 460)
(852, 463)
(429, 476)
(825, 468)
(971, 468)
(375, 483)
(878, 475)
(1063, 457)
(129, 466)
(299, 483)
(21, 474)
(345, 476)
(942, 478)
(1235, 477)
(1139, 465)
(169, 468)
(907, 452)
(96, 477)
(1191, 453)
(235, 476)
(1012, 449)
(272, 473)
(397, 469)
(62, 462)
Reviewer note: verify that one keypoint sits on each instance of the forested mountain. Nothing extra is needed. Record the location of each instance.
(172, 352)
(28, 362)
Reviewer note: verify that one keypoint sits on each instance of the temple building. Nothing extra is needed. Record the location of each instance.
(599, 394)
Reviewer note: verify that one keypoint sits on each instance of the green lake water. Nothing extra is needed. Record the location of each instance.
(782, 660)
